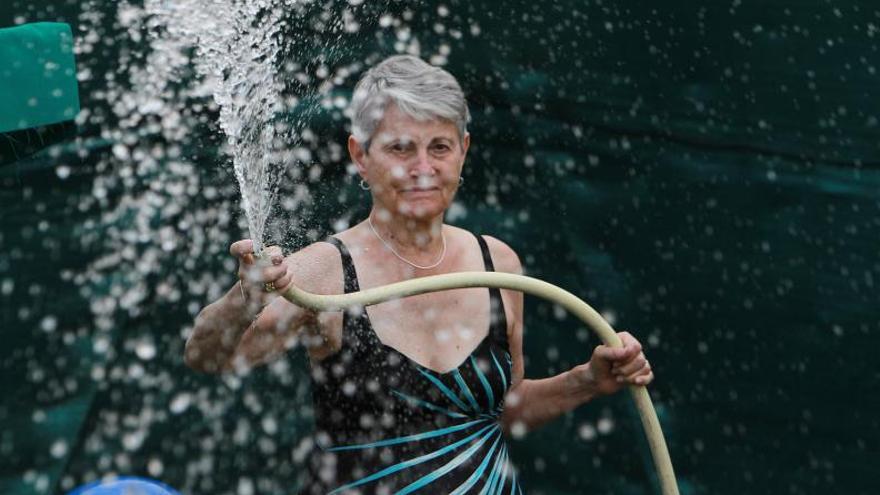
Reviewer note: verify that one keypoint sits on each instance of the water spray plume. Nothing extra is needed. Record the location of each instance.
(237, 44)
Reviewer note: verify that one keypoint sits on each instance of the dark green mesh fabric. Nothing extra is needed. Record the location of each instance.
(707, 175)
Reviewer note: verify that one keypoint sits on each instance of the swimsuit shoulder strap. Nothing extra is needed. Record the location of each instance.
(487, 256)
(348, 270)
(499, 319)
(355, 322)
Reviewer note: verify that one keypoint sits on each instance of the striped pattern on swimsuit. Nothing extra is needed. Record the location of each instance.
(386, 424)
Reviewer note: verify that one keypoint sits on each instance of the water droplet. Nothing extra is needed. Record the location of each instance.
(605, 425)
(587, 432)
(58, 449)
(610, 316)
(49, 323)
(180, 402)
(518, 429)
(270, 426)
(155, 467)
(145, 349)
(133, 440)
(245, 487)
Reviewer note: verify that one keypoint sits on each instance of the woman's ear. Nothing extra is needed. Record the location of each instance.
(357, 153)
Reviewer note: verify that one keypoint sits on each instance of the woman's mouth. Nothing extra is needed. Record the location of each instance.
(420, 189)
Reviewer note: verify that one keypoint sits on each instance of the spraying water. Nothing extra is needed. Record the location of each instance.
(166, 224)
(237, 46)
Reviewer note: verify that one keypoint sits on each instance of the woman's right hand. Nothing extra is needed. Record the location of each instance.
(260, 282)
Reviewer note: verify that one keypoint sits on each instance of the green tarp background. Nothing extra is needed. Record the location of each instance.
(707, 175)
(38, 88)
(38, 78)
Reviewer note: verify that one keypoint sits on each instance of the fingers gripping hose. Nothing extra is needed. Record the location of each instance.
(527, 285)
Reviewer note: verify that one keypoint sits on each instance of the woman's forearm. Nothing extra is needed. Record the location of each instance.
(217, 332)
(533, 403)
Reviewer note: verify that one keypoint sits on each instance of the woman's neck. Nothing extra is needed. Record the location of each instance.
(418, 240)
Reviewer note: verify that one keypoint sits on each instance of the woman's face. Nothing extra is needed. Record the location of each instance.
(412, 167)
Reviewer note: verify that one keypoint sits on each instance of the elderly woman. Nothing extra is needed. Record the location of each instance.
(418, 393)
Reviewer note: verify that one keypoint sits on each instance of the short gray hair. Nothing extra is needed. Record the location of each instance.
(419, 89)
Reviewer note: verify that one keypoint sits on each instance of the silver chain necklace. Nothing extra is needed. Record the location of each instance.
(408, 262)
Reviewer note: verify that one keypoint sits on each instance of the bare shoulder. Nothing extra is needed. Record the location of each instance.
(503, 256)
(317, 268)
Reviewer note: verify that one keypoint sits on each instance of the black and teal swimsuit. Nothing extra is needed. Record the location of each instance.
(385, 424)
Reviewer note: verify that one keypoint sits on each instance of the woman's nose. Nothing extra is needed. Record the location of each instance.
(422, 164)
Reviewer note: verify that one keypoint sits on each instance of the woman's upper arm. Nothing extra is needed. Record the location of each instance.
(506, 260)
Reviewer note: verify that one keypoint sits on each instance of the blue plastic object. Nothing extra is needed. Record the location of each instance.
(125, 485)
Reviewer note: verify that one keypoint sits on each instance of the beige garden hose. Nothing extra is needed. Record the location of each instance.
(527, 285)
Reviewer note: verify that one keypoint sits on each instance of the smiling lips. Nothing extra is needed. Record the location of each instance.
(420, 189)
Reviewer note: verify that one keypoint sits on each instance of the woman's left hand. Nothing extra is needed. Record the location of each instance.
(612, 368)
